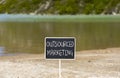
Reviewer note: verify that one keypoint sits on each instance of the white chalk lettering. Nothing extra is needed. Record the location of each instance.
(59, 52)
(59, 44)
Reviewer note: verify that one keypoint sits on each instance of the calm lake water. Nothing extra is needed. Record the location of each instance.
(28, 37)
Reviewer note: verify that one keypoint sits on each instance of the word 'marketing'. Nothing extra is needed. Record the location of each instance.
(60, 52)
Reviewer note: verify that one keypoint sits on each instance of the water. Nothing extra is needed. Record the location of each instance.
(28, 37)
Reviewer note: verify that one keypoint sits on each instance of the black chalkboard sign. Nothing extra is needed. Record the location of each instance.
(60, 47)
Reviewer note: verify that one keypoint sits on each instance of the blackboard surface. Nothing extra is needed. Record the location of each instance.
(59, 47)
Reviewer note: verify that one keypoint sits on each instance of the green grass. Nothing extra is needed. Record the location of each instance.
(60, 18)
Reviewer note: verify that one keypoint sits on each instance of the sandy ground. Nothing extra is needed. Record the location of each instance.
(103, 63)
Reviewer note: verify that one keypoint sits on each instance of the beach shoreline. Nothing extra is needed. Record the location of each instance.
(102, 63)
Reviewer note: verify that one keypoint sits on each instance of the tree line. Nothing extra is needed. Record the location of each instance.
(60, 6)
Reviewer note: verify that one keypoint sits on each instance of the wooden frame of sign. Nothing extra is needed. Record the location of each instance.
(60, 48)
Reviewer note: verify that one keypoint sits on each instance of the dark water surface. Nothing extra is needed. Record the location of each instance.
(28, 37)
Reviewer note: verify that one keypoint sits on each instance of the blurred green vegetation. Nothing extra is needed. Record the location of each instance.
(60, 6)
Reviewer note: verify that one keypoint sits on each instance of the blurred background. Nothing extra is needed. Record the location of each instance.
(25, 23)
(60, 6)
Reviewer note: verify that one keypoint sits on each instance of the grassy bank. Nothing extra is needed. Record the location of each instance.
(60, 18)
